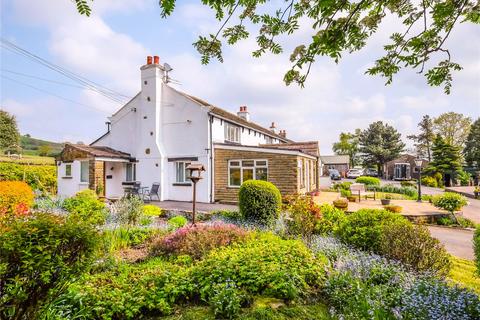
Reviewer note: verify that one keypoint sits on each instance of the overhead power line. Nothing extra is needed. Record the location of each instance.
(44, 79)
(106, 92)
(50, 93)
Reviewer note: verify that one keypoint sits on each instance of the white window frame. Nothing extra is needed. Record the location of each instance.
(233, 133)
(82, 164)
(182, 165)
(257, 163)
(133, 167)
(68, 165)
(301, 172)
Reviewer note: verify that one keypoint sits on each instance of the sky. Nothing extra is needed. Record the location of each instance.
(110, 46)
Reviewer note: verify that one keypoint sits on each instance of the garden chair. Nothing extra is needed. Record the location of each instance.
(153, 191)
(360, 190)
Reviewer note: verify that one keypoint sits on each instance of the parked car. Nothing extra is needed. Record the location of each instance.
(371, 172)
(354, 173)
(334, 174)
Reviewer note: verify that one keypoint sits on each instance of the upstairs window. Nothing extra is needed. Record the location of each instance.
(240, 171)
(181, 172)
(131, 174)
(83, 171)
(232, 133)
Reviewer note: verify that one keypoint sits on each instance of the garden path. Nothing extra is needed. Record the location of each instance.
(458, 242)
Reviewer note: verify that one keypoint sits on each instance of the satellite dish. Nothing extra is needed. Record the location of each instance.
(167, 67)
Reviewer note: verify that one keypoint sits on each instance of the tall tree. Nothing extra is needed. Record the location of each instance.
(423, 140)
(348, 145)
(446, 160)
(380, 143)
(9, 135)
(472, 146)
(336, 28)
(453, 127)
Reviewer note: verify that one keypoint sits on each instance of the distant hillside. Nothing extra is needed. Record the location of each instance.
(34, 146)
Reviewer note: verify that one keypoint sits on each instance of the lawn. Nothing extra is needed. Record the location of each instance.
(29, 160)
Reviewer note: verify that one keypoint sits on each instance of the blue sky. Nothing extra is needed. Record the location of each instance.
(111, 45)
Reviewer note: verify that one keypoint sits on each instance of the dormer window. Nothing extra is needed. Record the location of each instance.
(232, 133)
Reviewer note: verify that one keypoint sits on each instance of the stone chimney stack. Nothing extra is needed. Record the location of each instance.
(283, 133)
(243, 113)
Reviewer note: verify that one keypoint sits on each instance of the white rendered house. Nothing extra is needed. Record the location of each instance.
(153, 137)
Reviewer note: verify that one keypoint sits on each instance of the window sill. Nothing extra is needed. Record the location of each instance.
(233, 187)
(177, 184)
(66, 177)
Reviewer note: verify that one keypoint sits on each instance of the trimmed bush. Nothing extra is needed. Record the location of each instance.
(364, 228)
(38, 256)
(259, 201)
(369, 181)
(389, 188)
(414, 246)
(199, 239)
(393, 208)
(331, 219)
(177, 222)
(152, 211)
(303, 215)
(16, 197)
(85, 206)
(449, 201)
(265, 265)
(476, 246)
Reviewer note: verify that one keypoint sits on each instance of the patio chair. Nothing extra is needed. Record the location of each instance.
(132, 190)
(360, 190)
(153, 191)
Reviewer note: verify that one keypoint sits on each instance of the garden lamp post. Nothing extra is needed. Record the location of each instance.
(418, 163)
(195, 174)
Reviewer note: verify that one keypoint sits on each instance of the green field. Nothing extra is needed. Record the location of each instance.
(29, 160)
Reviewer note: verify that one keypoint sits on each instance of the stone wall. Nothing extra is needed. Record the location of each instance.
(282, 172)
(96, 176)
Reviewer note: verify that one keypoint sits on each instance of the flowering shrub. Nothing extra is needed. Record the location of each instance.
(85, 206)
(226, 300)
(197, 240)
(303, 214)
(39, 255)
(129, 210)
(434, 299)
(259, 201)
(476, 245)
(415, 247)
(16, 197)
(429, 182)
(152, 211)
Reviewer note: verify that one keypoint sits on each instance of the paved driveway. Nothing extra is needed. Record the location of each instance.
(458, 242)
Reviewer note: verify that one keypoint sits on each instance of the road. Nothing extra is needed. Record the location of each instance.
(458, 242)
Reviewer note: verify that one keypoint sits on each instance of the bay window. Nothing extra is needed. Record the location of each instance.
(240, 171)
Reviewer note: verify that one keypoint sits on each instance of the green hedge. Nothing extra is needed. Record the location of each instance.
(259, 201)
(42, 177)
(369, 181)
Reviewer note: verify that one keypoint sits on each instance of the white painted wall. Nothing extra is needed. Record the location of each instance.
(113, 186)
(248, 137)
(68, 187)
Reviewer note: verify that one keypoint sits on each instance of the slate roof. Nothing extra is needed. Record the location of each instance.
(335, 159)
(233, 117)
(308, 147)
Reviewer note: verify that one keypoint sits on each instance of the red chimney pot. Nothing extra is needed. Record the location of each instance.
(149, 59)
(156, 59)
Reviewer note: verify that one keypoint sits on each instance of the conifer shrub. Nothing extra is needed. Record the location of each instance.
(259, 201)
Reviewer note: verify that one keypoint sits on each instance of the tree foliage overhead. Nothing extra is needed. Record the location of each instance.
(348, 145)
(472, 146)
(338, 27)
(423, 140)
(380, 143)
(9, 135)
(453, 127)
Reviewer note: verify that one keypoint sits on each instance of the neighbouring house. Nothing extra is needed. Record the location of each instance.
(403, 168)
(160, 131)
(337, 162)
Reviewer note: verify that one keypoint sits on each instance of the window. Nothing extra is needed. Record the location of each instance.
(301, 172)
(68, 170)
(240, 171)
(83, 171)
(130, 172)
(232, 133)
(181, 172)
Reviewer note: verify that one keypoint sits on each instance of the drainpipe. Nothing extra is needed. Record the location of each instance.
(211, 158)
